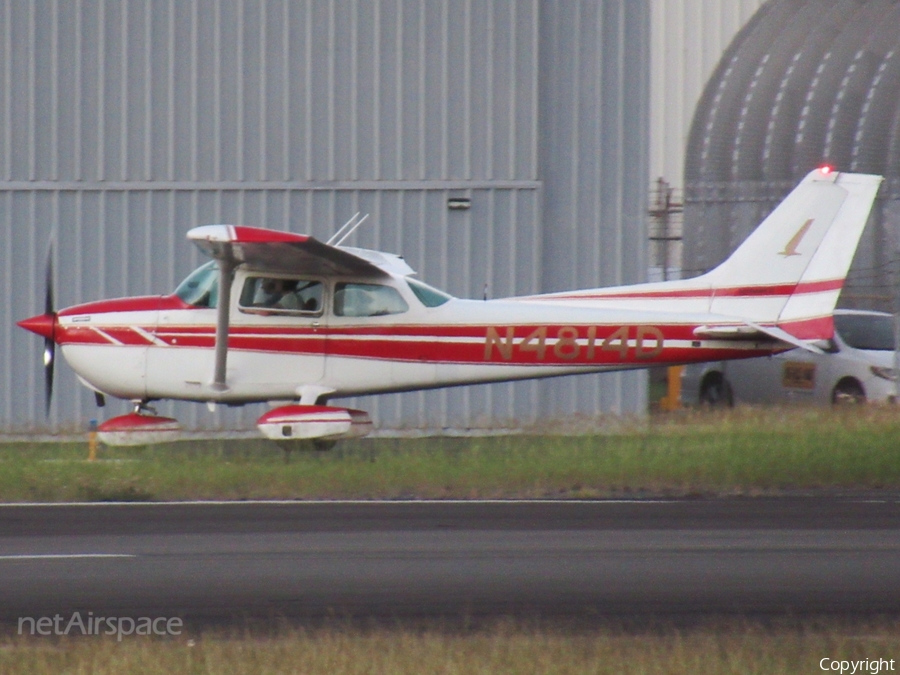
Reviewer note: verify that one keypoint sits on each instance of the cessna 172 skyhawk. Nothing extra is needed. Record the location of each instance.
(286, 319)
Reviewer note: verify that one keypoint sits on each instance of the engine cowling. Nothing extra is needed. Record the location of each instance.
(313, 422)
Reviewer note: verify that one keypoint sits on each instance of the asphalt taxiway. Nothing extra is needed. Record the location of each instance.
(400, 560)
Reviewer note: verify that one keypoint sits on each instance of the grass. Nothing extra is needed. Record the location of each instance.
(730, 647)
(745, 451)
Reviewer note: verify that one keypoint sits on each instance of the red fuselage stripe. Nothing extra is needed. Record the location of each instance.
(519, 345)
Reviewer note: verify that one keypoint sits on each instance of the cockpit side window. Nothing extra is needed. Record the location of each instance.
(351, 299)
(201, 288)
(277, 295)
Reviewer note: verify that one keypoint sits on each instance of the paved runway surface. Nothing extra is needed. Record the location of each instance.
(573, 560)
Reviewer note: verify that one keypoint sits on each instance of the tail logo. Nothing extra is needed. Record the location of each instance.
(791, 247)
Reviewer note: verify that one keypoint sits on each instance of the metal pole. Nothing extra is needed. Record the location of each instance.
(92, 441)
(896, 397)
(226, 276)
(666, 194)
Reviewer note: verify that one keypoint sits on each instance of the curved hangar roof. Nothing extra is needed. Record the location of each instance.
(805, 82)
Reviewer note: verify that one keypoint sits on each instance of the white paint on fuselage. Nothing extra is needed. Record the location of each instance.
(119, 371)
(158, 370)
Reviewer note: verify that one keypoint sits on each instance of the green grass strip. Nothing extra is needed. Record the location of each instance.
(747, 451)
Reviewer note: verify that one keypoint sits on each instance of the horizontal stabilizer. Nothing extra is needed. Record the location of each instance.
(750, 331)
(784, 336)
(739, 332)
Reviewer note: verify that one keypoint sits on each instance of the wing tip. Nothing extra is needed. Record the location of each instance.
(243, 234)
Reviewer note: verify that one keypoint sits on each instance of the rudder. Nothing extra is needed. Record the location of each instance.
(793, 266)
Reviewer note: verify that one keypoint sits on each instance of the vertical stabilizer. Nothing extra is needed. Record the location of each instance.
(791, 269)
(786, 276)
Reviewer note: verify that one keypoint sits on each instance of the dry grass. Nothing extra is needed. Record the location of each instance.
(730, 647)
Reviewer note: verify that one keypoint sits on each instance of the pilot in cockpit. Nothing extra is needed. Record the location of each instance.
(279, 294)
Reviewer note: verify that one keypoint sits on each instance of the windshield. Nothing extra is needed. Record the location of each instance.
(201, 288)
(866, 331)
(428, 296)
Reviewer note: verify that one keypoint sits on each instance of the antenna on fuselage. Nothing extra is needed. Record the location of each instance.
(346, 230)
(349, 223)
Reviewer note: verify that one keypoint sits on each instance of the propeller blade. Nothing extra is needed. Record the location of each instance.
(49, 342)
(48, 281)
(49, 358)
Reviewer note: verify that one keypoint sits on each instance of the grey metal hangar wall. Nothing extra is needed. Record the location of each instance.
(124, 124)
(805, 83)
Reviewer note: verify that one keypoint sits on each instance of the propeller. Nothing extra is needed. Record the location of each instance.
(49, 340)
(45, 326)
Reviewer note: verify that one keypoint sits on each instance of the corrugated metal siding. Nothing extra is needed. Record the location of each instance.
(270, 91)
(124, 124)
(594, 120)
(688, 37)
(805, 83)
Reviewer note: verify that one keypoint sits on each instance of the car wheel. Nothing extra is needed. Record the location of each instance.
(715, 391)
(847, 391)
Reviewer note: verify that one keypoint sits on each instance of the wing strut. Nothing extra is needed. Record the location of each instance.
(227, 265)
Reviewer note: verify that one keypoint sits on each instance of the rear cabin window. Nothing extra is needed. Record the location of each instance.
(428, 296)
(282, 296)
(367, 300)
(201, 288)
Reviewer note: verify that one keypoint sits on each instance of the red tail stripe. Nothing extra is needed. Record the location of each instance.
(810, 329)
(774, 290)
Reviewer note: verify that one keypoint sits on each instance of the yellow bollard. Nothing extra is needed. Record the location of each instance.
(92, 441)
(672, 399)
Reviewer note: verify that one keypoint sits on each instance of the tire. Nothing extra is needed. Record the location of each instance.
(715, 392)
(848, 392)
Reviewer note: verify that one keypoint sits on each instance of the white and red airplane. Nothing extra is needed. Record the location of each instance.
(283, 318)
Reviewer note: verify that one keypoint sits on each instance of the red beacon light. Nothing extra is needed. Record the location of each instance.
(825, 169)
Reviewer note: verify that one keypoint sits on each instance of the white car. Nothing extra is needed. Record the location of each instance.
(858, 366)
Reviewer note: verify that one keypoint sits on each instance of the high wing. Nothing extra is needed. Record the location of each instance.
(285, 252)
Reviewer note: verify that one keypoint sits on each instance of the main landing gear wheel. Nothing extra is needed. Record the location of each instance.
(715, 392)
(848, 392)
(316, 444)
